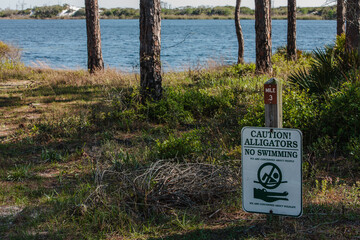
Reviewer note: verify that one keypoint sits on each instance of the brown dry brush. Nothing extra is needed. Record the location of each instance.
(165, 185)
(9, 53)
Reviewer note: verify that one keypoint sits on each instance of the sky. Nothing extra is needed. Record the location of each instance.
(19, 4)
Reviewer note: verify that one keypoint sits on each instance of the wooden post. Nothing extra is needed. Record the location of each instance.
(273, 103)
(273, 118)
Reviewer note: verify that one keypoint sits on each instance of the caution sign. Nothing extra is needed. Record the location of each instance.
(271, 170)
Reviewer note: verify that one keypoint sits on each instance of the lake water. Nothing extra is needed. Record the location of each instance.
(185, 43)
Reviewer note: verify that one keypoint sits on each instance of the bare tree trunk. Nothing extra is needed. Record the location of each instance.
(239, 32)
(150, 47)
(291, 34)
(353, 25)
(340, 17)
(263, 36)
(95, 59)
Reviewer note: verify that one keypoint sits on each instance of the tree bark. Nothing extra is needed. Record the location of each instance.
(291, 32)
(263, 36)
(353, 25)
(239, 33)
(340, 17)
(95, 59)
(150, 47)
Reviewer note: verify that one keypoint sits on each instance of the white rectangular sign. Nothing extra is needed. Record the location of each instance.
(271, 170)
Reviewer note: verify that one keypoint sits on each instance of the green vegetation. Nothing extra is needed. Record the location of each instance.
(188, 12)
(36, 12)
(47, 11)
(330, 68)
(82, 158)
(333, 81)
(9, 56)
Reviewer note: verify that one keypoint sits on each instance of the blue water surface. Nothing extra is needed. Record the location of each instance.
(185, 43)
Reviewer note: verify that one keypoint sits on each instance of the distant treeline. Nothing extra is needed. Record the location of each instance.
(202, 12)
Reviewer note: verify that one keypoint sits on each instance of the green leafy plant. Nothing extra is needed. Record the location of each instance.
(300, 111)
(123, 159)
(330, 68)
(178, 147)
(323, 147)
(340, 115)
(51, 155)
(353, 148)
(20, 173)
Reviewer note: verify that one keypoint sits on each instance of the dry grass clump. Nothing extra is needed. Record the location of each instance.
(165, 185)
(108, 77)
(9, 53)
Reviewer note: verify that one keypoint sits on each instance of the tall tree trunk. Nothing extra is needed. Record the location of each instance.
(239, 32)
(95, 59)
(150, 47)
(263, 36)
(291, 32)
(353, 25)
(340, 17)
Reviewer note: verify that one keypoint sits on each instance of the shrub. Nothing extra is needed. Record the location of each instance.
(353, 149)
(170, 109)
(123, 113)
(178, 147)
(9, 56)
(240, 70)
(255, 113)
(80, 13)
(300, 111)
(183, 107)
(322, 147)
(329, 69)
(51, 155)
(47, 11)
(8, 13)
(340, 116)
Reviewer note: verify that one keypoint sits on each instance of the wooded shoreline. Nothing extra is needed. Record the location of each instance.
(202, 12)
(245, 17)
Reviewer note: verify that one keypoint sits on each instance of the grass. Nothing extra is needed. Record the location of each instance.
(74, 147)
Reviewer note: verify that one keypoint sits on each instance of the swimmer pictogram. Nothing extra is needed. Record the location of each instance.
(270, 177)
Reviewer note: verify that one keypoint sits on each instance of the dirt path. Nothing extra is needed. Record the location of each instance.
(9, 211)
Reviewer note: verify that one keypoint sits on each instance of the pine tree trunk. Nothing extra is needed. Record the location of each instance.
(353, 25)
(263, 36)
(95, 59)
(291, 32)
(340, 17)
(239, 33)
(150, 47)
